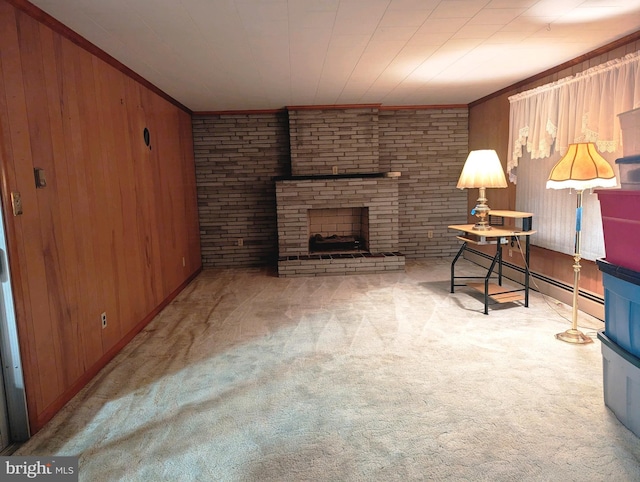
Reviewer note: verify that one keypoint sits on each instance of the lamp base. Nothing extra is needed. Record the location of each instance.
(482, 226)
(481, 211)
(574, 336)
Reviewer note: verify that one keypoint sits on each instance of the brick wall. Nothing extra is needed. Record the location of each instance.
(238, 155)
(324, 139)
(429, 147)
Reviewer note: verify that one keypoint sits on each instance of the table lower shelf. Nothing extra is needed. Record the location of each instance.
(497, 293)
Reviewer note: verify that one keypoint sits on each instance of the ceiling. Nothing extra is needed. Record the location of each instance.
(213, 55)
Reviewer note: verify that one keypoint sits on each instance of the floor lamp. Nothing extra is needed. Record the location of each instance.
(582, 167)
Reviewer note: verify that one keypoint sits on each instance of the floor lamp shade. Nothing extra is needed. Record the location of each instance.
(582, 167)
(481, 170)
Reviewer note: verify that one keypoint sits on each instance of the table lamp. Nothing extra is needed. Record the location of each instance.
(582, 167)
(481, 170)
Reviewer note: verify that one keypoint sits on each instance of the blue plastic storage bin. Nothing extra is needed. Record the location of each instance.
(621, 383)
(621, 306)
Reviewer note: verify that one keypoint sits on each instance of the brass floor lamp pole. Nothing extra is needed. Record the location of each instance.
(573, 335)
(582, 167)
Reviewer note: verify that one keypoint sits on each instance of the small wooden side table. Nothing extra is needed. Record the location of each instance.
(497, 235)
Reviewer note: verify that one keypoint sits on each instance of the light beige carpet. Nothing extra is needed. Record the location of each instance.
(250, 377)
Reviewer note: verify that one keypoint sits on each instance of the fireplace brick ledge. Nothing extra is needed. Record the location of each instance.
(363, 175)
(335, 265)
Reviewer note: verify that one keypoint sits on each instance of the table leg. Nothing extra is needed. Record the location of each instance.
(527, 273)
(453, 264)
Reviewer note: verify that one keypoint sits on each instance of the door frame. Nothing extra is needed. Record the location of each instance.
(12, 378)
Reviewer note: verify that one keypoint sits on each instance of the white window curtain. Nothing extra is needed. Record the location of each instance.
(580, 108)
(545, 120)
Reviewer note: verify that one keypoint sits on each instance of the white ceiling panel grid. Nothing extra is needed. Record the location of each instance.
(214, 55)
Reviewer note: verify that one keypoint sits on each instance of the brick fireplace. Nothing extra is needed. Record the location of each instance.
(334, 158)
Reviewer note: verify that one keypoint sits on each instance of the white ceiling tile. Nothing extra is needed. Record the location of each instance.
(444, 57)
(376, 57)
(359, 16)
(457, 8)
(449, 25)
(586, 15)
(383, 34)
(253, 54)
(496, 16)
(528, 24)
(510, 4)
(404, 18)
(402, 66)
(549, 8)
(505, 37)
(476, 31)
(315, 6)
(415, 5)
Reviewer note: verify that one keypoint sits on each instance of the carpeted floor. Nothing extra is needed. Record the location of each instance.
(249, 377)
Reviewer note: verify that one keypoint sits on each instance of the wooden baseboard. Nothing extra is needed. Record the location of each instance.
(48, 413)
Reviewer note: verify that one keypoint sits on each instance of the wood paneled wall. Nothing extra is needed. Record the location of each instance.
(116, 228)
(489, 129)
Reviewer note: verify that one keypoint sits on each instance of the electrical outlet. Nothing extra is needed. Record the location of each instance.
(334, 169)
(510, 252)
(430, 234)
(103, 318)
(240, 242)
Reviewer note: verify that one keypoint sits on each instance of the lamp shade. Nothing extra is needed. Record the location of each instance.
(482, 169)
(582, 167)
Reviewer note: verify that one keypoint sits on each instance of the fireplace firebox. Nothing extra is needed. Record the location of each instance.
(338, 230)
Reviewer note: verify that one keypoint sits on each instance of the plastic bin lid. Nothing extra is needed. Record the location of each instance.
(629, 160)
(629, 111)
(631, 358)
(625, 274)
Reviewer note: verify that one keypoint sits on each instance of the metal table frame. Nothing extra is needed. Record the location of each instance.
(498, 236)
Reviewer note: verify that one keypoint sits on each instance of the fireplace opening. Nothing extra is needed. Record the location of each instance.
(338, 230)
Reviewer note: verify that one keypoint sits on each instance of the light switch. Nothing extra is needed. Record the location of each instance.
(41, 180)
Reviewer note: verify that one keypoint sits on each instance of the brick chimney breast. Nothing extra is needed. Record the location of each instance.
(333, 141)
(335, 166)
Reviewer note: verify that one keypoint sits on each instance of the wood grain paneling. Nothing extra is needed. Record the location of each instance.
(489, 128)
(110, 231)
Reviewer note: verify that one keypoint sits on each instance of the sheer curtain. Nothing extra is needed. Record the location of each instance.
(543, 122)
(580, 108)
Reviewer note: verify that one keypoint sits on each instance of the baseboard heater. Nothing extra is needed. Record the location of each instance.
(545, 279)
